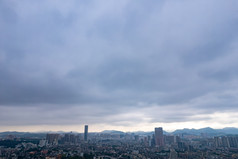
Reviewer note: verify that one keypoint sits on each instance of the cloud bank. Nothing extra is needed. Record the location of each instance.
(118, 63)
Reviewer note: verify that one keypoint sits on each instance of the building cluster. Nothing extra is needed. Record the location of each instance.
(226, 141)
(120, 145)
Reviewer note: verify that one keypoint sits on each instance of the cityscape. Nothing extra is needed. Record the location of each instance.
(120, 145)
(118, 79)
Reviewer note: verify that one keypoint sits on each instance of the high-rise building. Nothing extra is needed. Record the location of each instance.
(159, 137)
(85, 132)
(173, 154)
(70, 139)
(52, 139)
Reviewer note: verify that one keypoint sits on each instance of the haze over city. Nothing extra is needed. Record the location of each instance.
(118, 65)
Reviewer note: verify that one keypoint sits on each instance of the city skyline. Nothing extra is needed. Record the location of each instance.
(118, 65)
(112, 145)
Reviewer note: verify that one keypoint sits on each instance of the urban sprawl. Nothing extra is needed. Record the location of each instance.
(119, 145)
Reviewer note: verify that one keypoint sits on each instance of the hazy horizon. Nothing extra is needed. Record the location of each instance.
(124, 65)
(146, 131)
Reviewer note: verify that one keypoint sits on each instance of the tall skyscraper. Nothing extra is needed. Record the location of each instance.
(159, 137)
(85, 132)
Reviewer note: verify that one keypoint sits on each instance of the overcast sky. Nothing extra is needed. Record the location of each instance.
(127, 65)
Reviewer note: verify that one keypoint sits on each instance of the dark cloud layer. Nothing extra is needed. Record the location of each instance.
(110, 58)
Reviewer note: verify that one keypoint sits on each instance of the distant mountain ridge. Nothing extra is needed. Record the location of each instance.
(112, 132)
(207, 131)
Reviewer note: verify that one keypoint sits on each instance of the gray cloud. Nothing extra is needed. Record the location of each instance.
(108, 57)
